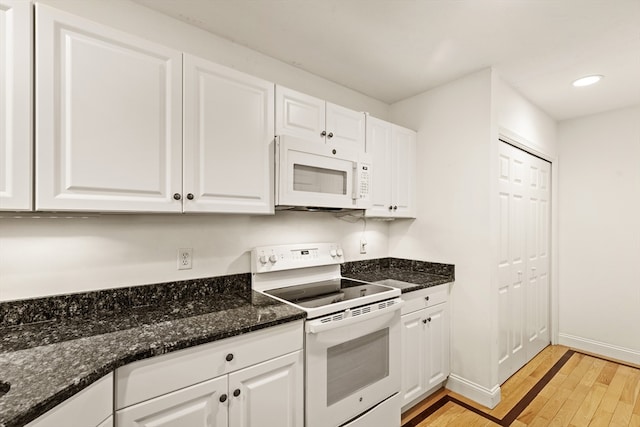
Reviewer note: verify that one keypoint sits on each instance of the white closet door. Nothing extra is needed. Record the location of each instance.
(537, 236)
(523, 267)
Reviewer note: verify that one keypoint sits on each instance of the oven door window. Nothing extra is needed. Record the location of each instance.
(356, 364)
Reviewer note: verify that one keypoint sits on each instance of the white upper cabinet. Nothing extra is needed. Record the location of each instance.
(393, 149)
(228, 140)
(314, 120)
(108, 118)
(403, 172)
(16, 140)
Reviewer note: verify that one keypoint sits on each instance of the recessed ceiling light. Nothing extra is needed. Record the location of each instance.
(586, 81)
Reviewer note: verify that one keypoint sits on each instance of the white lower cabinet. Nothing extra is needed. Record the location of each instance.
(200, 405)
(93, 406)
(425, 343)
(251, 380)
(268, 394)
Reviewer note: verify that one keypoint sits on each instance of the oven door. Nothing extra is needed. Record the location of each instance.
(351, 366)
(312, 175)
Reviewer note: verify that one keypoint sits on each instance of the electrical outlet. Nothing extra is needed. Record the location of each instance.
(363, 246)
(185, 258)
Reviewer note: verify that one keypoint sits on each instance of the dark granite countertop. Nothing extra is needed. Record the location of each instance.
(407, 275)
(47, 362)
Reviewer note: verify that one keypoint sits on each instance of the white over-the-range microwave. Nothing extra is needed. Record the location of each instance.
(312, 176)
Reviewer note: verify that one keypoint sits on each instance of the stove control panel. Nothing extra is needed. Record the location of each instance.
(287, 257)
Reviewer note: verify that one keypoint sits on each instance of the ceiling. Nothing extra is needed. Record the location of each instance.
(394, 49)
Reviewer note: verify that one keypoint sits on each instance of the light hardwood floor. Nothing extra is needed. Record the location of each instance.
(585, 392)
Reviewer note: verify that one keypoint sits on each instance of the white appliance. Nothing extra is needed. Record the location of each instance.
(352, 334)
(311, 175)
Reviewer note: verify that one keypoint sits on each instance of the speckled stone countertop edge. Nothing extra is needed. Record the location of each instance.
(416, 275)
(18, 417)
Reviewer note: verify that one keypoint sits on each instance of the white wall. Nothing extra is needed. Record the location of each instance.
(452, 226)
(45, 256)
(48, 256)
(600, 233)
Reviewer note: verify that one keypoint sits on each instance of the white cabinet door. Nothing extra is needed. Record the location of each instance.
(300, 115)
(345, 128)
(394, 169)
(437, 344)
(413, 356)
(316, 121)
(16, 140)
(403, 179)
(108, 118)
(379, 146)
(268, 394)
(228, 140)
(200, 405)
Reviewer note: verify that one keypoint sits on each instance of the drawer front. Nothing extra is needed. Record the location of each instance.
(159, 375)
(423, 298)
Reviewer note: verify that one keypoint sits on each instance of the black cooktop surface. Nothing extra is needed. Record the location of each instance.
(326, 292)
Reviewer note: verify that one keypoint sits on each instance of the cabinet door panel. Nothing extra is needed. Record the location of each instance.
(271, 394)
(108, 122)
(15, 105)
(228, 144)
(437, 344)
(413, 356)
(379, 147)
(403, 177)
(299, 115)
(347, 127)
(195, 406)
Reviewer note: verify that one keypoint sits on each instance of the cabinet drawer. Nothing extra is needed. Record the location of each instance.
(423, 298)
(159, 375)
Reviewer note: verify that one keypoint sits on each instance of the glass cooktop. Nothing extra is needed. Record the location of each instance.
(326, 292)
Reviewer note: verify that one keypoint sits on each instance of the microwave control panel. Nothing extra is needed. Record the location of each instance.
(364, 181)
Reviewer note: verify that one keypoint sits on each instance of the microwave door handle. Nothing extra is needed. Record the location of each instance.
(355, 180)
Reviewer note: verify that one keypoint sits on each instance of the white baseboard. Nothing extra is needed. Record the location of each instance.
(600, 348)
(482, 395)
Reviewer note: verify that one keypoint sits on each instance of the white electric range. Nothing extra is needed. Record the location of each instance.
(352, 334)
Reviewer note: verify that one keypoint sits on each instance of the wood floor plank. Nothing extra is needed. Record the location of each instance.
(610, 398)
(443, 416)
(585, 412)
(569, 408)
(549, 411)
(607, 374)
(622, 414)
(601, 419)
(631, 389)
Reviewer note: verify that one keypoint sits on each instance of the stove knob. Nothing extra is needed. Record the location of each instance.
(339, 252)
(333, 253)
(273, 259)
(262, 259)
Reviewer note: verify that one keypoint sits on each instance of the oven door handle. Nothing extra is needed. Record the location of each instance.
(317, 326)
